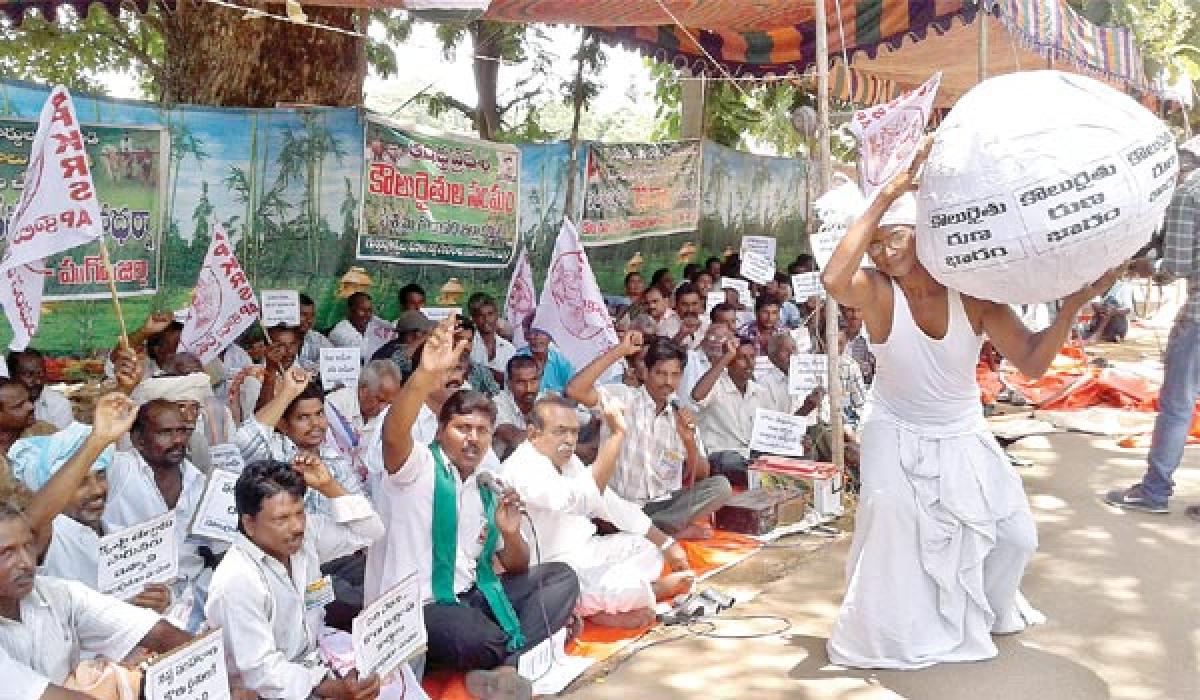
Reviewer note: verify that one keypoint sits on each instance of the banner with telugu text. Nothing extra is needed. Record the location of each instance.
(640, 189)
(128, 166)
(438, 199)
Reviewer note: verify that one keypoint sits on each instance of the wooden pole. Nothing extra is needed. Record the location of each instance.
(983, 40)
(824, 180)
(112, 288)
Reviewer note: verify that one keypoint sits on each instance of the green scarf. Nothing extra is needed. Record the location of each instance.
(445, 551)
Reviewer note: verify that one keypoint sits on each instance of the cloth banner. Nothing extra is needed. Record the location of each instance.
(58, 210)
(640, 189)
(438, 199)
(223, 304)
(520, 304)
(572, 309)
(889, 135)
(128, 170)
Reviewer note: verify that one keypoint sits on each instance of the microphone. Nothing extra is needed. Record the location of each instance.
(492, 483)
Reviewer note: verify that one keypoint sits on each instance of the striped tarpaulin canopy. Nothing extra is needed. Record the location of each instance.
(16, 10)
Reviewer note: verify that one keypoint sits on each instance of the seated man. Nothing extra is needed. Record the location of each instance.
(689, 307)
(411, 329)
(29, 367)
(311, 341)
(361, 328)
(155, 478)
(1110, 319)
(765, 323)
(854, 399)
(46, 623)
(76, 460)
(259, 386)
(662, 468)
(553, 366)
(658, 308)
(185, 381)
(515, 403)
(780, 349)
(728, 398)
(620, 575)
(488, 347)
(712, 349)
(268, 595)
(453, 530)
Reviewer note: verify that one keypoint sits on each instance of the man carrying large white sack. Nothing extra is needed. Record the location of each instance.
(943, 529)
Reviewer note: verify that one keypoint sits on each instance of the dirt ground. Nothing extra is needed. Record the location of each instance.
(1121, 591)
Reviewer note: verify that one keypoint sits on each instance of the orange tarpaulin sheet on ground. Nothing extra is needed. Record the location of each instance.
(723, 549)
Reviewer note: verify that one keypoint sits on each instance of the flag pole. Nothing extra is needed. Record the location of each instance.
(112, 289)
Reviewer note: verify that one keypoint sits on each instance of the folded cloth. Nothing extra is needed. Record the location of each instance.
(35, 459)
(193, 387)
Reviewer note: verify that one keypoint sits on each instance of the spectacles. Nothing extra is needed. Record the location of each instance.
(894, 241)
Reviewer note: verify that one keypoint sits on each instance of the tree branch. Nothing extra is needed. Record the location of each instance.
(527, 95)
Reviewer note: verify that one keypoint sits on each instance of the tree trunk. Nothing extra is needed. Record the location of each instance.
(215, 57)
(577, 99)
(487, 70)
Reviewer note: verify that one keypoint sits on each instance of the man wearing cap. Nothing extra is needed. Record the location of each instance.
(1181, 377)
(411, 329)
(361, 328)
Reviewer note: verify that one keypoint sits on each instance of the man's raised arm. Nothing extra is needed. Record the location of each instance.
(439, 356)
(582, 387)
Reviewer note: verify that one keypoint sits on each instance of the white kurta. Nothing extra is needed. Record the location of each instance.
(943, 530)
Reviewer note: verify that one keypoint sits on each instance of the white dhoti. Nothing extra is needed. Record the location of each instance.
(615, 573)
(942, 538)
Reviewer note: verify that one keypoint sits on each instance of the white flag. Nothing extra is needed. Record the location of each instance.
(520, 304)
(889, 134)
(223, 304)
(57, 210)
(572, 309)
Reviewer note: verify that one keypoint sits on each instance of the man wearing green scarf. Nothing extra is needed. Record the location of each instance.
(484, 604)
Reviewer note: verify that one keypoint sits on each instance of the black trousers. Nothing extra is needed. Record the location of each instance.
(467, 636)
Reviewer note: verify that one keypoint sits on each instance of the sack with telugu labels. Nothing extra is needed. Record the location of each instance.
(1040, 182)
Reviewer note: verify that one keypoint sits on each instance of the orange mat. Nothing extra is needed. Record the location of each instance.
(599, 643)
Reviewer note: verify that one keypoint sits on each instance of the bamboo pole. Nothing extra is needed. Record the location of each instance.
(112, 288)
(824, 179)
(983, 40)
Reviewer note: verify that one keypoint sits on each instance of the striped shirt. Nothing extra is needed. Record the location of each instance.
(1181, 244)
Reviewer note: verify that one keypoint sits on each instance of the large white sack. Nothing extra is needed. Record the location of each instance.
(1040, 182)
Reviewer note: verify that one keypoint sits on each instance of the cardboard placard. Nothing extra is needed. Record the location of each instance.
(806, 285)
(438, 313)
(227, 456)
(711, 300)
(280, 307)
(762, 245)
(548, 666)
(216, 515)
(340, 367)
(807, 372)
(194, 671)
(762, 366)
(742, 287)
(778, 433)
(758, 268)
(391, 630)
(142, 554)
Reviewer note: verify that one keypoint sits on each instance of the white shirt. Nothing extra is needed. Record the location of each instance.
(378, 333)
(779, 398)
(74, 553)
(508, 412)
(669, 325)
(404, 501)
(697, 365)
(20, 681)
(62, 619)
(562, 504)
(504, 353)
(692, 341)
(214, 426)
(727, 415)
(134, 498)
(270, 632)
(652, 456)
(234, 359)
(309, 356)
(258, 442)
(54, 408)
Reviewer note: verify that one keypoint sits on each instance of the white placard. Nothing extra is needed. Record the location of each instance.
(194, 671)
(806, 285)
(711, 300)
(777, 433)
(280, 307)
(549, 667)
(391, 630)
(216, 516)
(227, 456)
(142, 554)
(807, 372)
(758, 268)
(437, 314)
(340, 366)
(762, 366)
(762, 245)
